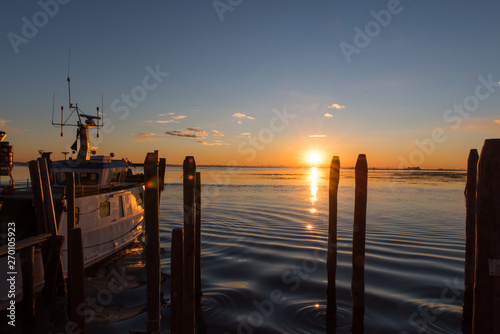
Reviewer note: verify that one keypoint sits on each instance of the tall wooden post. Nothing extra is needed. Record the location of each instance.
(486, 310)
(177, 281)
(470, 240)
(76, 277)
(70, 200)
(189, 169)
(331, 264)
(36, 186)
(197, 247)
(358, 245)
(27, 266)
(152, 216)
(47, 196)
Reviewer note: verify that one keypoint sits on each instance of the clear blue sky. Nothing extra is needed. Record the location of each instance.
(231, 63)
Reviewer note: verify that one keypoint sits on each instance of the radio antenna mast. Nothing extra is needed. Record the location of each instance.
(69, 81)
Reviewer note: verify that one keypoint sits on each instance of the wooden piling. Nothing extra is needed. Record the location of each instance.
(189, 169)
(152, 216)
(52, 266)
(36, 186)
(470, 240)
(76, 278)
(331, 297)
(358, 245)
(47, 196)
(197, 250)
(70, 200)
(486, 308)
(27, 267)
(177, 281)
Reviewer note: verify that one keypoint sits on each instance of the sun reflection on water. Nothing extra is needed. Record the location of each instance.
(314, 189)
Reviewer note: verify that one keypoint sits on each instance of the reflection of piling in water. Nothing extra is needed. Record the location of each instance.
(358, 245)
(331, 295)
(487, 265)
(470, 242)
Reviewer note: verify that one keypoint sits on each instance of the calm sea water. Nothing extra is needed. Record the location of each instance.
(264, 239)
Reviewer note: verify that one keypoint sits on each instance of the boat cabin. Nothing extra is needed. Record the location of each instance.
(98, 172)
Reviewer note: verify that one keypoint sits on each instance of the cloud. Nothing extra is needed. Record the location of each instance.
(497, 121)
(179, 117)
(3, 121)
(193, 133)
(336, 106)
(146, 134)
(244, 134)
(169, 121)
(217, 133)
(215, 143)
(328, 115)
(241, 116)
(317, 136)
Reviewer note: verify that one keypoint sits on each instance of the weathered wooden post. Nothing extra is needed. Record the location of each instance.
(486, 309)
(331, 264)
(70, 200)
(27, 267)
(47, 196)
(177, 281)
(36, 186)
(189, 169)
(197, 247)
(470, 240)
(152, 216)
(76, 278)
(358, 245)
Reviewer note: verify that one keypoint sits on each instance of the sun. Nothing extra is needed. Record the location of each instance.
(314, 157)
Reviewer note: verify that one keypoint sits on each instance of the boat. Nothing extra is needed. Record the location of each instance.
(109, 206)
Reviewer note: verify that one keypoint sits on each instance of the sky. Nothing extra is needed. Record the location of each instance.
(240, 82)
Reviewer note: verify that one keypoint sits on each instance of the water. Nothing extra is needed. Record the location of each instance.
(264, 238)
(264, 235)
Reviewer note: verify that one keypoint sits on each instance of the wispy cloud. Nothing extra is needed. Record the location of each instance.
(167, 121)
(497, 121)
(241, 116)
(215, 143)
(193, 133)
(179, 117)
(328, 115)
(317, 136)
(244, 134)
(4, 121)
(217, 133)
(336, 106)
(144, 136)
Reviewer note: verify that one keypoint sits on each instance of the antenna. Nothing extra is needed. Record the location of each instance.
(69, 81)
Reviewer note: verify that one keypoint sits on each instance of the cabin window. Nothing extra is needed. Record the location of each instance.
(138, 198)
(123, 176)
(88, 179)
(104, 209)
(61, 178)
(115, 177)
(77, 215)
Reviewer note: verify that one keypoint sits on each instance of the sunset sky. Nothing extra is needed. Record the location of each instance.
(408, 83)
